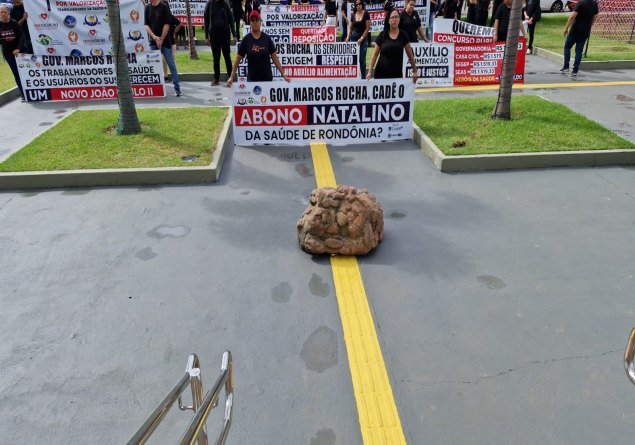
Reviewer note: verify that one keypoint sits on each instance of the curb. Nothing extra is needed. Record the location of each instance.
(586, 65)
(124, 176)
(469, 163)
(9, 96)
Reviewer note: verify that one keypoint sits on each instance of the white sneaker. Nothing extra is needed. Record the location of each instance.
(528, 51)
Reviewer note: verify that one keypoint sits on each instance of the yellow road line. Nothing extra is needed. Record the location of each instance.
(528, 86)
(378, 416)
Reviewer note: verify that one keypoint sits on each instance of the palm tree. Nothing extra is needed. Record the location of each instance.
(128, 120)
(502, 110)
(190, 33)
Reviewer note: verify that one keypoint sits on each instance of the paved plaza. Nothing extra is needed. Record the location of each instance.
(502, 300)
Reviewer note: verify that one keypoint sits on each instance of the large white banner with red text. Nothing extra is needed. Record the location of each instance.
(338, 111)
(80, 27)
(56, 78)
(197, 9)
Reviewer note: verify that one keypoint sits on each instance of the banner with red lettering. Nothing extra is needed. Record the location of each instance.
(338, 111)
(478, 60)
(197, 8)
(58, 78)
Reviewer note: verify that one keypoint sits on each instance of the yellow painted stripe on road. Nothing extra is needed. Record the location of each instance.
(378, 416)
(528, 86)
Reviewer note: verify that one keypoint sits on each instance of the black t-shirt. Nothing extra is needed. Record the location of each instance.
(156, 17)
(17, 12)
(331, 8)
(219, 19)
(11, 37)
(258, 53)
(410, 24)
(390, 64)
(502, 15)
(586, 10)
(359, 27)
(450, 9)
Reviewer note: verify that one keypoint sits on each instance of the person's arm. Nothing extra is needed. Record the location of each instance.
(230, 15)
(496, 30)
(413, 63)
(350, 30)
(230, 81)
(373, 60)
(569, 22)
(206, 23)
(24, 17)
(366, 31)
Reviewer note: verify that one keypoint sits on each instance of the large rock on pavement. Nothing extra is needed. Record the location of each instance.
(343, 220)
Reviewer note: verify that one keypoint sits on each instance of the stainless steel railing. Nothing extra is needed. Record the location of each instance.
(196, 430)
(629, 357)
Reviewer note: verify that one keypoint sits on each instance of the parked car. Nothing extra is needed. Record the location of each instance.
(552, 5)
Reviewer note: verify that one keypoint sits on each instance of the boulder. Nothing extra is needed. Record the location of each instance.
(343, 220)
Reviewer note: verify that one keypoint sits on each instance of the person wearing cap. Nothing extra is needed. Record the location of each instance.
(259, 49)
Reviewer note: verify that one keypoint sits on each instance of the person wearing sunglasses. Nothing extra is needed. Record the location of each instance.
(389, 48)
(259, 50)
(358, 29)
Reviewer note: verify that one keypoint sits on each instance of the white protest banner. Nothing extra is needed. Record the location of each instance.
(53, 78)
(315, 60)
(377, 13)
(314, 34)
(286, 17)
(435, 64)
(197, 8)
(339, 112)
(457, 31)
(318, 7)
(80, 27)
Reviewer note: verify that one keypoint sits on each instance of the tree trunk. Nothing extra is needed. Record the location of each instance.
(190, 34)
(502, 110)
(128, 120)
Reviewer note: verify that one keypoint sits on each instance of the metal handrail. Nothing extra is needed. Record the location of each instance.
(629, 357)
(197, 424)
(196, 431)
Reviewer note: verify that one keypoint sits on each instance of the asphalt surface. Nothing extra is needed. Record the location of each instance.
(502, 300)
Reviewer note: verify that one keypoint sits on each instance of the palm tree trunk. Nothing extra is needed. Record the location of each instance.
(502, 110)
(190, 34)
(128, 120)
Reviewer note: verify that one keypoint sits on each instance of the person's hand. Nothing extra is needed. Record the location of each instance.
(415, 75)
(287, 78)
(233, 40)
(346, 39)
(359, 42)
(368, 76)
(16, 52)
(566, 31)
(208, 42)
(230, 81)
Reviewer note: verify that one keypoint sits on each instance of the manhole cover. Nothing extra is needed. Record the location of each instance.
(189, 158)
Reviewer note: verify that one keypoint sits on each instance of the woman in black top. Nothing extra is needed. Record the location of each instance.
(330, 13)
(410, 22)
(358, 29)
(451, 9)
(389, 46)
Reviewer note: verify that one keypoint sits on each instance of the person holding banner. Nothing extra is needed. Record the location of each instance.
(258, 48)
(12, 40)
(358, 29)
(330, 13)
(389, 47)
(157, 18)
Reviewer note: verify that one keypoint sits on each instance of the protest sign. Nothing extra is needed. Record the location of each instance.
(80, 27)
(377, 13)
(314, 34)
(288, 17)
(57, 78)
(315, 60)
(435, 64)
(340, 111)
(197, 8)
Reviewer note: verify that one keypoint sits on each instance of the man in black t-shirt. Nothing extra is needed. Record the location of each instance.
(501, 22)
(157, 19)
(12, 40)
(577, 31)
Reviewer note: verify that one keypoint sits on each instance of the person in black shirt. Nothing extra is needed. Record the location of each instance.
(577, 31)
(344, 19)
(259, 49)
(12, 40)
(501, 22)
(157, 19)
(495, 6)
(251, 5)
(219, 23)
(358, 29)
(330, 13)
(481, 12)
(237, 10)
(18, 14)
(532, 15)
(389, 47)
(451, 9)
(410, 22)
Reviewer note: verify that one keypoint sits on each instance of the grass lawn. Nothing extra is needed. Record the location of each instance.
(549, 36)
(87, 139)
(464, 127)
(6, 76)
(203, 65)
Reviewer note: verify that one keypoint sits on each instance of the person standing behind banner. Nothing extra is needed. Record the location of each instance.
(451, 9)
(259, 50)
(330, 13)
(432, 13)
(358, 29)
(12, 40)
(482, 8)
(219, 25)
(410, 22)
(251, 5)
(532, 16)
(237, 11)
(501, 22)
(495, 6)
(344, 19)
(157, 24)
(18, 14)
(389, 47)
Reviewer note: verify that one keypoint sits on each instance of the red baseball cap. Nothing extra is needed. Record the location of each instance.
(255, 14)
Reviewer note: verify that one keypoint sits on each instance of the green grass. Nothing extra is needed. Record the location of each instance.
(6, 77)
(204, 63)
(549, 36)
(464, 127)
(87, 140)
